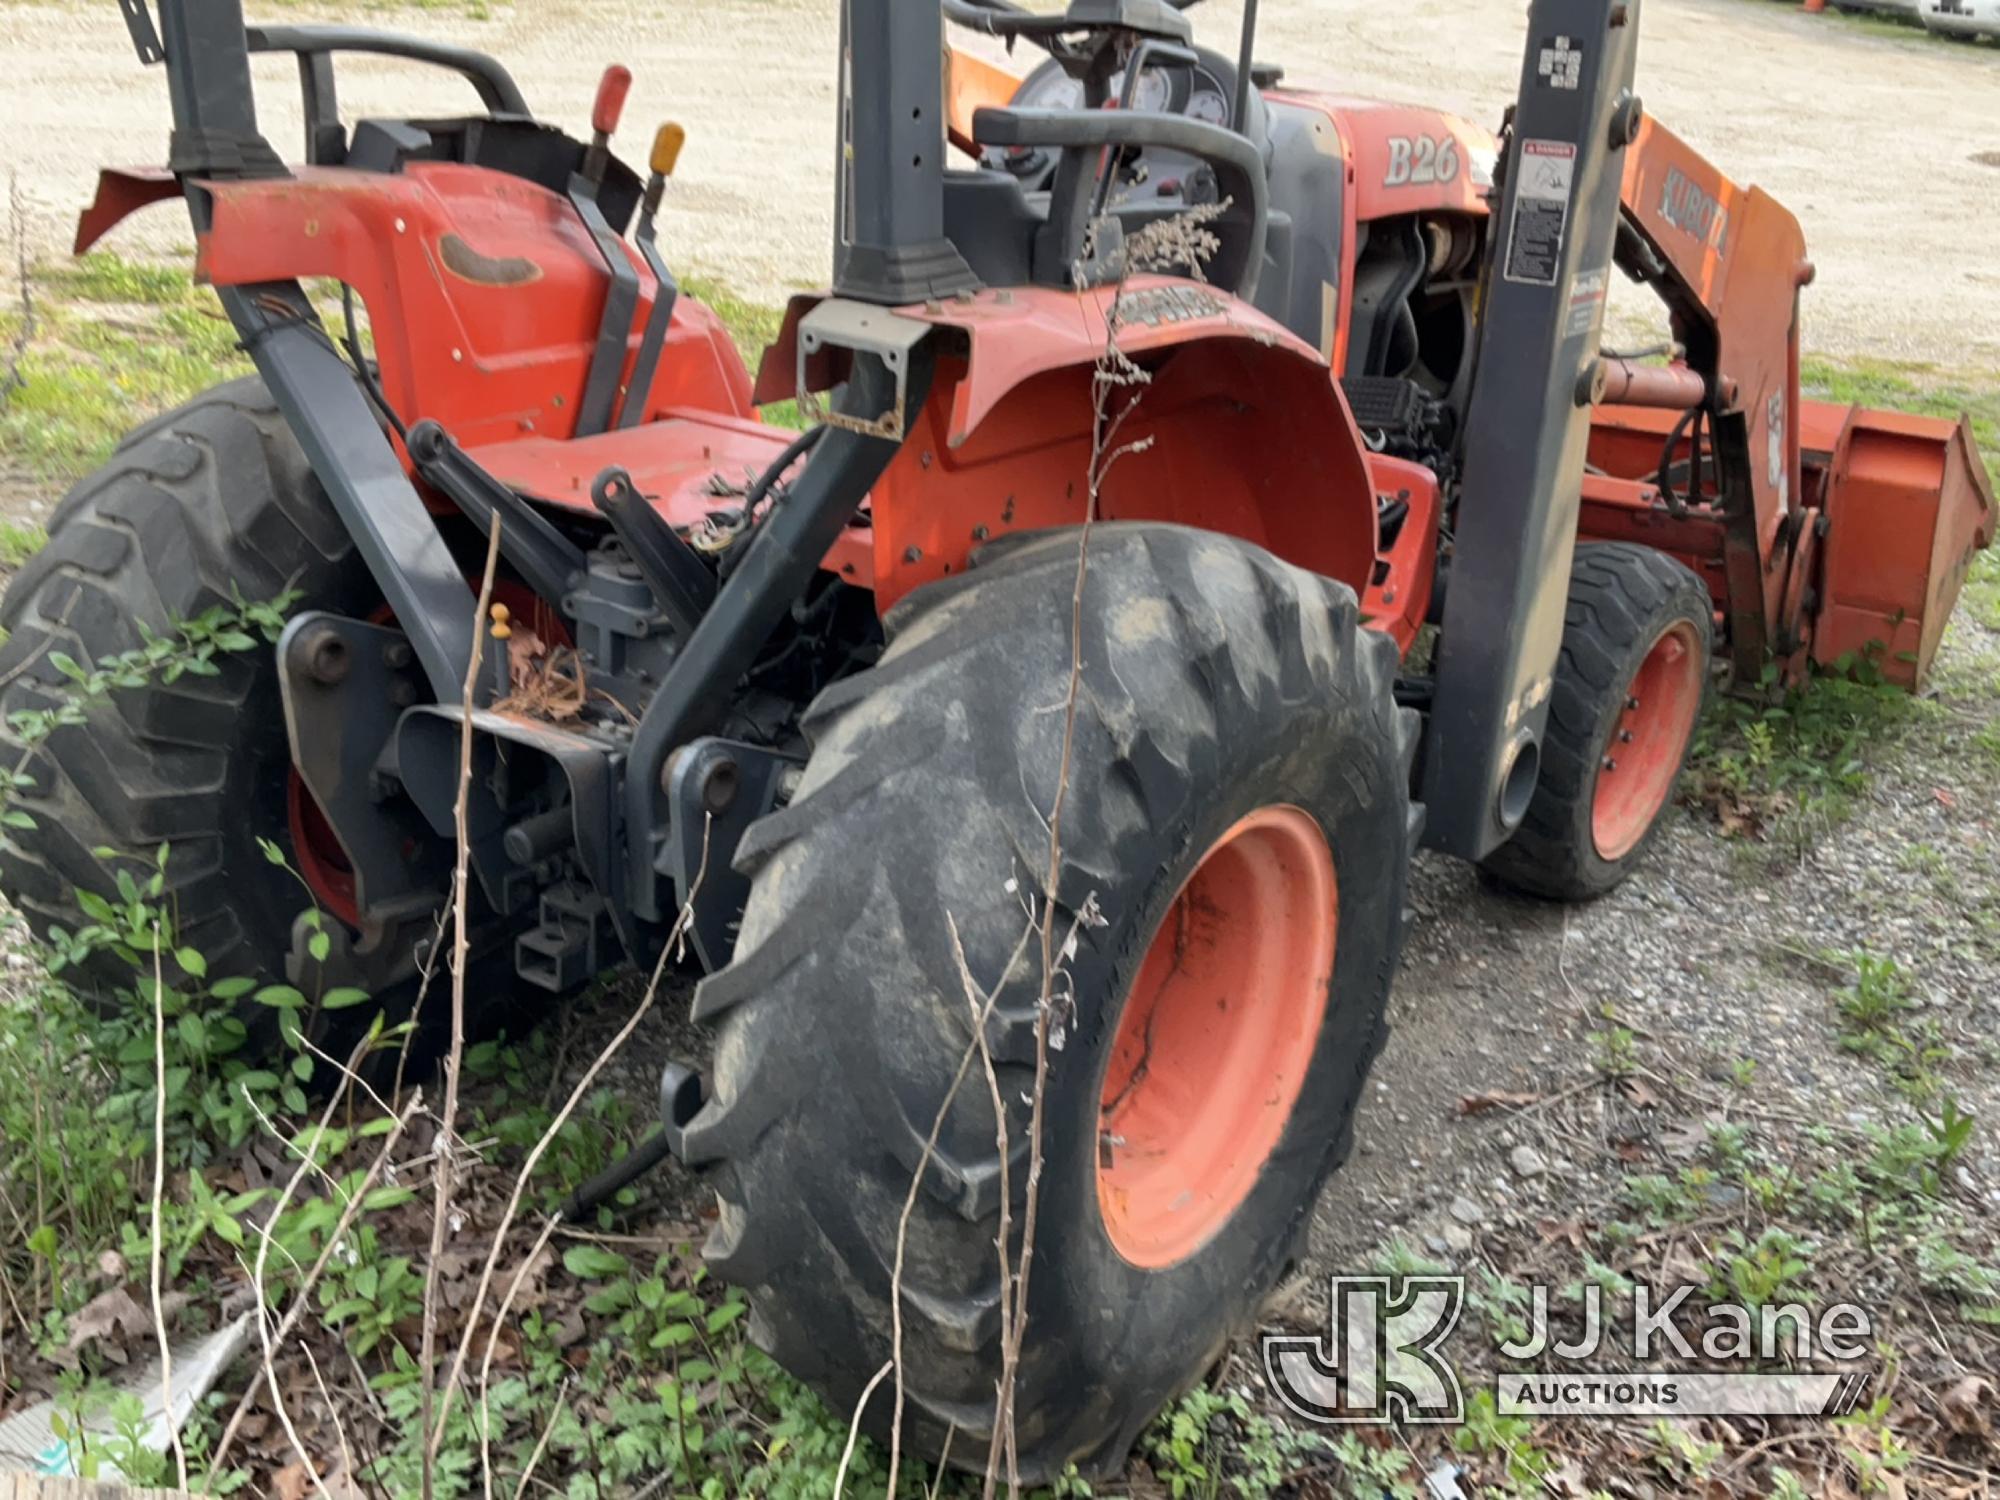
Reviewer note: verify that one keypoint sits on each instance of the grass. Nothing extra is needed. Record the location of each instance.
(1761, 1214)
(113, 344)
(751, 324)
(18, 543)
(1889, 25)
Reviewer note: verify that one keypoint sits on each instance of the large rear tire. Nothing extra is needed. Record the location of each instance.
(1238, 805)
(211, 502)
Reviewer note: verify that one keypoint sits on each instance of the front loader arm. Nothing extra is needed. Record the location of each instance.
(1729, 262)
(1843, 531)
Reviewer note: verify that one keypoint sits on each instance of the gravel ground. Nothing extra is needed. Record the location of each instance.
(1872, 140)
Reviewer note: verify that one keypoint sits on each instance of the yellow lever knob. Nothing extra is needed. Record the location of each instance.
(667, 143)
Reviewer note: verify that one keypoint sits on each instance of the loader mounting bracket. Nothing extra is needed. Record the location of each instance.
(343, 683)
(716, 789)
(858, 328)
(145, 38)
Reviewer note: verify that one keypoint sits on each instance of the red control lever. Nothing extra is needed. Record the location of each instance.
(610, 102)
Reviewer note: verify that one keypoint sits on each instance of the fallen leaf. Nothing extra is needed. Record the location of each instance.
(1966, 1404)
(1569, 1231)
(292, 1482)
(107, 1319)
(1566, 1479)
(1478, 1104)
(1639, 1092)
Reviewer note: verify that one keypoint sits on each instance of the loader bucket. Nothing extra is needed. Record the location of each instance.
(1908, 502)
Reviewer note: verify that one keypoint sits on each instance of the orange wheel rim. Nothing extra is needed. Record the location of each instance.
(1643, 755)
(1216, 1036)
(322, 862)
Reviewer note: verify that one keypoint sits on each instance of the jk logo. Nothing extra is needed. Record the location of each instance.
(1380, 1360)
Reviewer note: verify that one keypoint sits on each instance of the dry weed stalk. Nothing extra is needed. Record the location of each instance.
(13, 380)
(444, 1171)
(159, 1192)
(1183, 243)
(854, 1431)
(542, 1442)
(302, 1298)
(982, 1012)
(486, 1359)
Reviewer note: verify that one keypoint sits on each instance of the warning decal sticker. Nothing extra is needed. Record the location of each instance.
(1585, 295)
(1541, 212)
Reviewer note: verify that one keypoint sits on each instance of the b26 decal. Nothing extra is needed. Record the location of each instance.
(1418, 161)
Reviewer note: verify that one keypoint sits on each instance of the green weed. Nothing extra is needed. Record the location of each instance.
(1800, 755)
(1685, 1458)
(115, 342)
(18, 543)
(1506, 1440)
(1769, 1270)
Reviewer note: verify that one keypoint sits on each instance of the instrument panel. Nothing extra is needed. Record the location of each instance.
(1201, 92)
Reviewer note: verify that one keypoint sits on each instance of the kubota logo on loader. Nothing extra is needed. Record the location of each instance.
(1693, 211)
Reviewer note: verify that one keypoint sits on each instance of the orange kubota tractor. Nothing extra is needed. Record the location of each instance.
(1402, 555)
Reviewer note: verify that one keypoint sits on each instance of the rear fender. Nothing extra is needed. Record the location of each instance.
(483, 291)
(121, 192)
(1241, 431)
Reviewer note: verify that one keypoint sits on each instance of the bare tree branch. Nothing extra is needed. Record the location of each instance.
(444, 1170)
(159, 1192)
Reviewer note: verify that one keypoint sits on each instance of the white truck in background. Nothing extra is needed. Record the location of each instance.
(1961, 18)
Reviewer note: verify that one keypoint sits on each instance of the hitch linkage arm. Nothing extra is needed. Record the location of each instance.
(549, 562)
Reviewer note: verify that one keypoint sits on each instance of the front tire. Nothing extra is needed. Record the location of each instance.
(1231, 708)
(1629, 688)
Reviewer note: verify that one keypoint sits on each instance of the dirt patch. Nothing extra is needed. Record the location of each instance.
(1815, 112)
